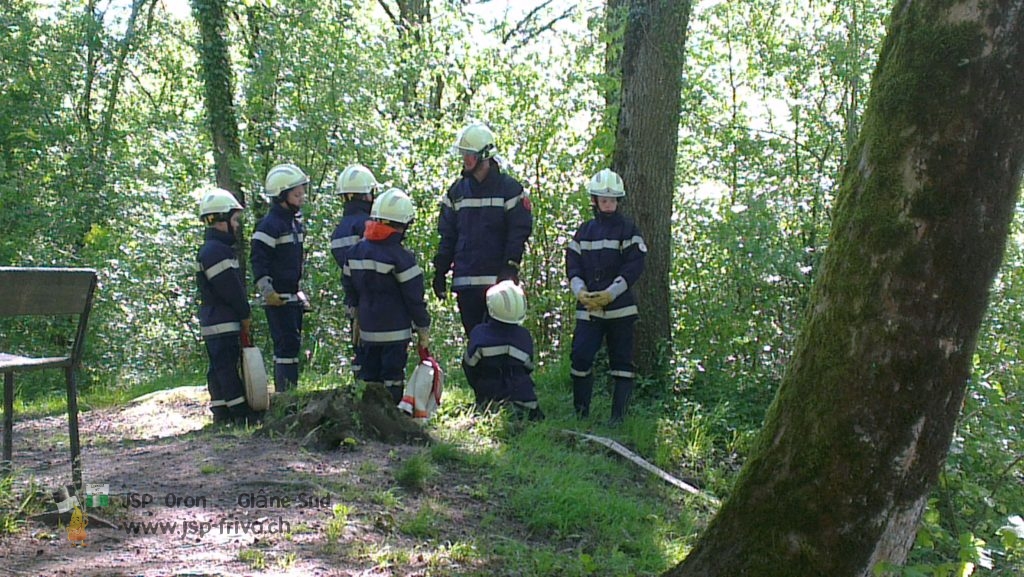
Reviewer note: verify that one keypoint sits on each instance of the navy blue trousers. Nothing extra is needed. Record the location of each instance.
(286, 331)
(223, 377)
(385, 363)
(472, 306)
(590, 335)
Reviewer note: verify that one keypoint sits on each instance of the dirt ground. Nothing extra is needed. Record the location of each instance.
(247, 505)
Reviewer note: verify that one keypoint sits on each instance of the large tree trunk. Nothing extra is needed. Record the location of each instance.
(646, 141)
(859, 431)
(219, 94)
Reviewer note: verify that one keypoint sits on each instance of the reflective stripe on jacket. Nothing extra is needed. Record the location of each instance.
(223, 302)
(499, 360)
(383, 281)
(603, 249)
(483, 225)
(277, 249)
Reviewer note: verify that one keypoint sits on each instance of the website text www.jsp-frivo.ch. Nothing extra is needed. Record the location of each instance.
(202, 528)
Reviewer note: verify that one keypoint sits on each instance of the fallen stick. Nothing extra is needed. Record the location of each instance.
(638, 460)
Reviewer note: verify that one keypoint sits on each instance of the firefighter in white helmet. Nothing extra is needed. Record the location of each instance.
(603, 262)
(499, 358)
(356, 185)
(277, 264)
(384, 285)
(484, 222)
(224, 315)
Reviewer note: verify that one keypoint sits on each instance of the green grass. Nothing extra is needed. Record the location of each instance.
(254, 558)
(497, 495)
(415, 472)
(539, 502)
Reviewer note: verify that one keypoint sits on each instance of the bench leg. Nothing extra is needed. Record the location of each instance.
(8, 423)
(76, 450)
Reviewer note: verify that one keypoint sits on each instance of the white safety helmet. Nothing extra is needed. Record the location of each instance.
(475, 139)
(394, 205)
(606, 183)
(356, 179)
(283, 177)
(217, 204)
(506, 302)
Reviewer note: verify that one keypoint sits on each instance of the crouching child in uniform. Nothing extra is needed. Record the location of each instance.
(224, 313)
(384, 285)
(499, 359)
(604, 260)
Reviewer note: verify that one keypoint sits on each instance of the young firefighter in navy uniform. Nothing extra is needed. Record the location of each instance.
(385, 285)
(357, 185)
(224, 307)
(603, 262)
(277, 260)
(499, 359)
(484, 223)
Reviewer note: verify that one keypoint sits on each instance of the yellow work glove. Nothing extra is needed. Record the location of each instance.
(275, 300)
(601, 299)
(585, 299)
(423, 338)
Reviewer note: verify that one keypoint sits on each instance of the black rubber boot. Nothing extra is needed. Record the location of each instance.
(397, 392)
(243, 415)
(620, 400)
(582, 391)
(281, 381)
(221, 415)
(535, 414)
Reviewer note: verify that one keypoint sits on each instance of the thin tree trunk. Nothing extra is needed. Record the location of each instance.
(110, 103)
(646, 142)
(861, 426)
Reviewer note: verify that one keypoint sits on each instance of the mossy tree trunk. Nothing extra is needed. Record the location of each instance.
(215, 63)
(646, 141)
(862, 423)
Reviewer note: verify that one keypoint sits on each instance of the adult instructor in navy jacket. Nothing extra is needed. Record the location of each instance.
(484, 223)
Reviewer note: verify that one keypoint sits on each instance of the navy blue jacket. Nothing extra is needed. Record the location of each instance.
(602, 250)
(383, 281)
(276, 251)
(223, 302)
(350, 230)
(499, 361)
(483, 225)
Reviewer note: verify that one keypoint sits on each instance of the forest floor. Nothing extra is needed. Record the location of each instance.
(188, 498)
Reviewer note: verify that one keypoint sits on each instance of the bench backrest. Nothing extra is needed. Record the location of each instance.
(45, 291)
(49, 292)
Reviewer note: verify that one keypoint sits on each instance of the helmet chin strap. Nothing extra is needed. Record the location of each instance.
(232, 230)
(283, 199)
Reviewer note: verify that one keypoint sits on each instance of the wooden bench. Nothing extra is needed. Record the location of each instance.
(46, 292)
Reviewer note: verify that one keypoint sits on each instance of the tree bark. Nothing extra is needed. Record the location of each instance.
(646, 142)
(855, 440)
(219, 92)
(215, 63)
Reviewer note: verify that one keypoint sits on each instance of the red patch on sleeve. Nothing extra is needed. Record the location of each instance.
(527, 204)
